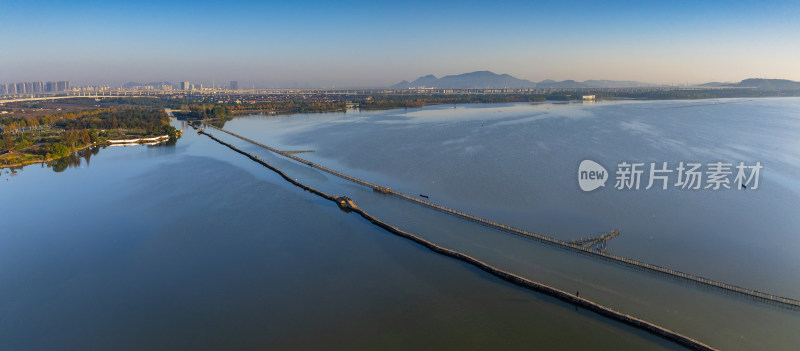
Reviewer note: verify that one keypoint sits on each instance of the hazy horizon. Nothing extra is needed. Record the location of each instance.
(364, 44)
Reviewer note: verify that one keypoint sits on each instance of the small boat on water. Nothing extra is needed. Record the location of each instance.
(423, 195)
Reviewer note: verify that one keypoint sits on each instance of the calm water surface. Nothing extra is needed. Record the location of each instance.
(517, 163)
(193, 246)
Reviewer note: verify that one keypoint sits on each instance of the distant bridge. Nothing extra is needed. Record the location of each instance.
(73, 95)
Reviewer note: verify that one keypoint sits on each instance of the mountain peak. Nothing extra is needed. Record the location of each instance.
(490, 80)
(769, 84)
(471, 80)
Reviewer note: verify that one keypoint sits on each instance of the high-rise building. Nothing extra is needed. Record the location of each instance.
(20, 88)
(50, 87)
(38, 87)
(62, 85)
(186, 86)
(234, 85)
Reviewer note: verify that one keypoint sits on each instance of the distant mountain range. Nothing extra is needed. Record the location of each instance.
(758, 83)
(769, 84)
(473, 80)
(489, 80)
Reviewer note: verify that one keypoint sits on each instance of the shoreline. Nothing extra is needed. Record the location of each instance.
(139, 141)
(32, 162)
(274, 113)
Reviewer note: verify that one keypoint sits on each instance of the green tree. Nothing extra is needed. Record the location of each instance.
(218, 112)
(70, 138)
(59, 150)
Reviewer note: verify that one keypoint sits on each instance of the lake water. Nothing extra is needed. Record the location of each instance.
(194, 246)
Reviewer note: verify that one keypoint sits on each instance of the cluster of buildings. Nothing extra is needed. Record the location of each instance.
(29, 88)
(154, 86)
(34, 87)
(234, 85)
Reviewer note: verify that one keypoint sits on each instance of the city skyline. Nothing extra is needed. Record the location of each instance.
(364, 44)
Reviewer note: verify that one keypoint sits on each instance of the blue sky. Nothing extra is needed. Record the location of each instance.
(377, 43)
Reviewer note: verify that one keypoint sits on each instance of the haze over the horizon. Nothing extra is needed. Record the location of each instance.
(377, 44)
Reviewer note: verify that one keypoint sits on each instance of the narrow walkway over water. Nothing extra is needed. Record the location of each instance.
(600, 241)
(347, 204)
(571, 246)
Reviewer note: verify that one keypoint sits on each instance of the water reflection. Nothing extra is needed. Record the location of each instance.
(73, 160)
(11, 172)
(83, 157)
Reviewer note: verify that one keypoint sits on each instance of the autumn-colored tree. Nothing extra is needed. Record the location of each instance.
(8, 141)
(85, 138)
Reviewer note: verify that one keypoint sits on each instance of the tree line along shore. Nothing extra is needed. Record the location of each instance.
(50, 137)
(31, 137)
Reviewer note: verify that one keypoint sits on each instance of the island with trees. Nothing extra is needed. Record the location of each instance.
(27, 140)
